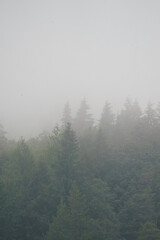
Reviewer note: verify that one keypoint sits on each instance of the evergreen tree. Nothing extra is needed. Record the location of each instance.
(104, 139)
(100, 210)
(107, 118)
(71, 221)
(78, 214)
(3, 139)
(158, 113)
(2, 210)
(129, 116)
(136, 211)
(3, 147)
(65, 155)
(150, 116)
(67, 115)
(83, 121)
(127, 125)
(17, 176)
(60, 228)
(148, 231)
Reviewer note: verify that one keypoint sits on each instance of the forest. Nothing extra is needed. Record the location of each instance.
(85, 180)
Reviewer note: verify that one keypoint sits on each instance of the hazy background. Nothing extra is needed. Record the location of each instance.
(53, 51)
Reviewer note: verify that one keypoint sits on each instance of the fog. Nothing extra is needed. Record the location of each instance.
(57, 51)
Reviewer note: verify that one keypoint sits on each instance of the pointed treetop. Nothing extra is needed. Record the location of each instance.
(67, 114)
(107, 117)
(83, 120)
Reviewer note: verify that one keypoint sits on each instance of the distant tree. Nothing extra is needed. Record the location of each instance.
(150, 116)
(100, 156)
(158, 113)
(105, 130)
(59, 229)
(129, 116)
(19, 167)
(148, 231)
(107, 118)
(39, 145)
(149, 129)
(83, 121)
(2, 210)
(66, 118)
(3, 138)
(78, 215)
(71, 221)
(65, 150)
(136, 211)
(17, 176)
(99, 200)
(127, 124)
(3, 147)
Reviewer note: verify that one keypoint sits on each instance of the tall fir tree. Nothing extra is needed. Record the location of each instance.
(67, 118)
(83, 121)
(65, 152)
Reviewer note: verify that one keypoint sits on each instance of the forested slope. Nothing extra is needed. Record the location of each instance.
(84, 181)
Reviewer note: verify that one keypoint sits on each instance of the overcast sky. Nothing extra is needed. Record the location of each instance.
(53, 51)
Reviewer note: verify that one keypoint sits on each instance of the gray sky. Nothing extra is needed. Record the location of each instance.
(53, 51)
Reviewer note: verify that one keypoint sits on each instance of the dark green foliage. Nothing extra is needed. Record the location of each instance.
(71, 221)
(148, 231)
(2, 210)
(137, 210)
(101, 184)
(65, 152)
(3, 139)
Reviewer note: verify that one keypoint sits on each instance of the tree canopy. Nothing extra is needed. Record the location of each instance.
(85, 180)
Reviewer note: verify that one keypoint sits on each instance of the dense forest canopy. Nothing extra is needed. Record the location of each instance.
(85, 180)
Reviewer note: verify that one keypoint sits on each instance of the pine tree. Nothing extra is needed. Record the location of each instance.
(17, 176)
(136, 211)
(78, 214)
(67, 115)
(3, 139)
(150, 116)
(2, 210)
(148, 231)
(65, 155)
(71, 221)
(83, 121)
(60, 228)
(106, 128)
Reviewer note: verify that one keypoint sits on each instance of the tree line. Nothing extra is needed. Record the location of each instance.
(84, 181)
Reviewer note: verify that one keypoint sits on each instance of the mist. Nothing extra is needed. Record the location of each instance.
(53, 52)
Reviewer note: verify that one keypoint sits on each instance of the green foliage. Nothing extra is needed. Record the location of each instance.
(103, 184)
(59, 229)
(138, 209)
(148, 231)
(65, 149)
(71, 221)
(2, 210)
